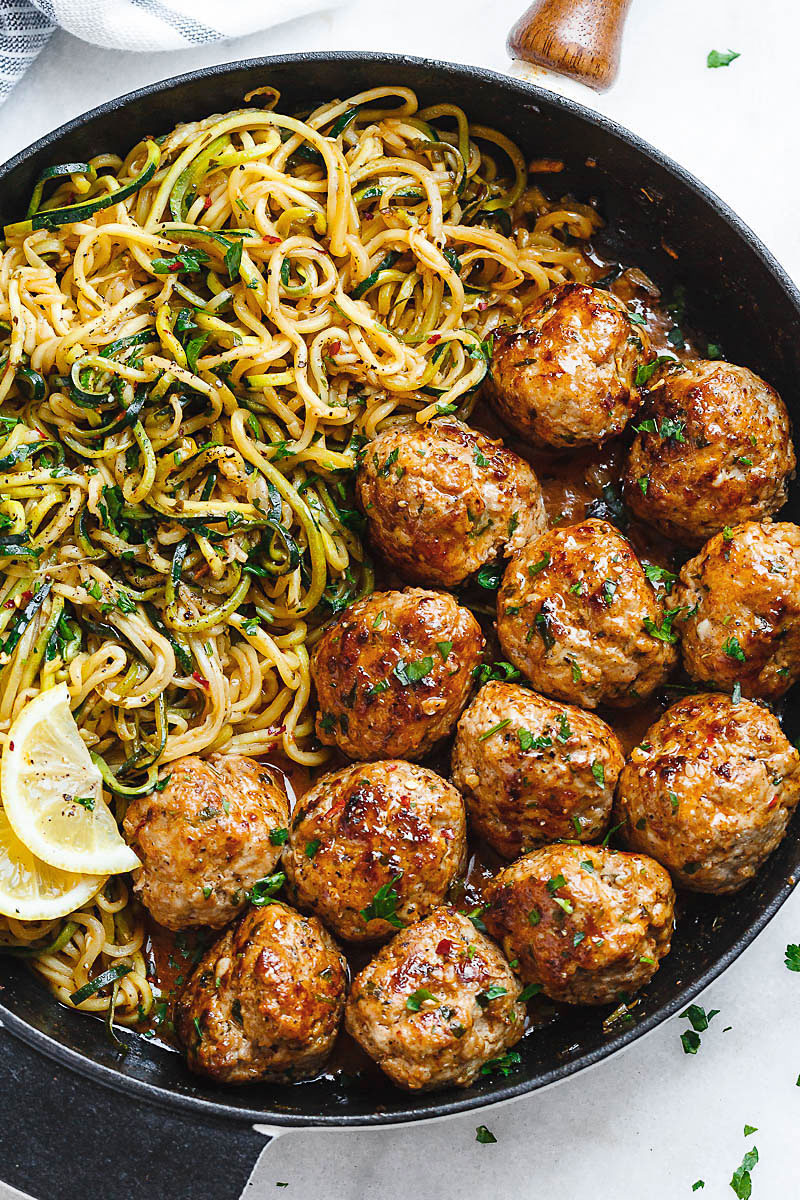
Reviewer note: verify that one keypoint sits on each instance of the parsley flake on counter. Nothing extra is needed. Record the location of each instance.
(698, 1017)
(699, 1183)
(484, 1135)
(748, 1129)
(792, 959)
(721, 58)
(690, 1041)
(741, 1182)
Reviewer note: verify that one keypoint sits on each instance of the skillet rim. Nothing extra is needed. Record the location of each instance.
(163, 1097)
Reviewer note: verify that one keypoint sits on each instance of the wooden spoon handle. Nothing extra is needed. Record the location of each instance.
(580, 38)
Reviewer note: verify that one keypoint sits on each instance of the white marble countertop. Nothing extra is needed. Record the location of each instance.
(653, 1120)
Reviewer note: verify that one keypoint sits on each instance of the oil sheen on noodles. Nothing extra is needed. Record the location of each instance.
(195, 342)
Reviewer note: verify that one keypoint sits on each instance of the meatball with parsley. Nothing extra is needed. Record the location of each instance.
(578, 616)
(443, 500)
(565, 376)
(394, 672)
(532, 770)
(713, 448)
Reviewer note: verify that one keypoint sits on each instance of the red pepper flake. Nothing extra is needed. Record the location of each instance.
(336, 346)
(434, 338)
(773, 802)
(25, 597)
(201, 679)
(207, 203)
(444, 947)
(481, 305)
(175, 267)
(271, 240)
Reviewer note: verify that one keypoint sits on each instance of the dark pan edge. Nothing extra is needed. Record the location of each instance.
(164, 1097)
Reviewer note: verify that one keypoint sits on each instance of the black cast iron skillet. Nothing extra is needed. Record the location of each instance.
(657, 217)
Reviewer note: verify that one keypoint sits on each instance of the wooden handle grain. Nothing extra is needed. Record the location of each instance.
(580, 38)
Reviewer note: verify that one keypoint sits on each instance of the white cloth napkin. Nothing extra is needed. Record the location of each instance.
(25, 25)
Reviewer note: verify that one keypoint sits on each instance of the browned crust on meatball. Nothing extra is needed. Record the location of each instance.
(741, 595)
(532, 770)
(576, 615)
(205, 839)
(590, 925)
(442, 500)
(565, 376)
(360, 664)
(709, 791)
(473, 1012)
(265, 1001)
(390, 828)
(721, 451)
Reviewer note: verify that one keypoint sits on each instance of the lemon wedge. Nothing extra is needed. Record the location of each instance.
(52, 792)
(30, 890)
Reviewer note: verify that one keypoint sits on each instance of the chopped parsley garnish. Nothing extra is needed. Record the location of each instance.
(383, 906)
(312, 847)
(417, 998)
(646, 371)
(489, 577)
(484, 1135)
(491, 993)
(278, 836)
(721, 58)
(664, 632)
(495, 729)
(577, 673)
(504, 1065)
(480, 459)
(669, 428)
(564, 732)
(657, 574)
(534, 917)
(599, 773)
(413, 672)
(85, 802)
(503, 672)
(529, 991)
(536, 567)
(263, 890)
(543, 628)
(528, 742)
(732, 648)
(444, 649)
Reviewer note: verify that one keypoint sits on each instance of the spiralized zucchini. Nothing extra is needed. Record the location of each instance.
(195, 343)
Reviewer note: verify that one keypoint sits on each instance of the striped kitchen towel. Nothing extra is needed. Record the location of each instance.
(25, 25)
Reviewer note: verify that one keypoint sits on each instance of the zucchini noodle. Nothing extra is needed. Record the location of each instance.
(196, 341)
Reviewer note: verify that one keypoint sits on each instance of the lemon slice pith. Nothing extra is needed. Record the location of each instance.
(52, 792)
(30, 890)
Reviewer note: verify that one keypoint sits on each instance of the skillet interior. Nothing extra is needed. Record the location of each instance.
(658, 217)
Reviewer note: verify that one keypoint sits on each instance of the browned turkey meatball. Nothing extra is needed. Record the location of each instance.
(374, 847)
(589, 925)
(394, 673)
(710, 790)
(566, 375)
(205, 839)
(532, 770)
(442, 500)
(576, 615)
(714, 448)
(265, 1001)
(436, 1003)
(741, 594)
